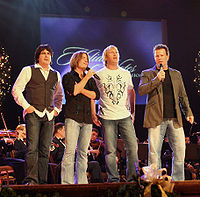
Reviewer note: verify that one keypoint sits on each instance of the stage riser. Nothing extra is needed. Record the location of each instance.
(185, 188)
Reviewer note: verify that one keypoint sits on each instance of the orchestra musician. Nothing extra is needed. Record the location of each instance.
(14, 142)
(57, 149)
(58, 144)
(20, 142)
(96, 149)
(17, 162)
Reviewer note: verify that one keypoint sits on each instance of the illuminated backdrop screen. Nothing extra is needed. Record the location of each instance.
(134, 39)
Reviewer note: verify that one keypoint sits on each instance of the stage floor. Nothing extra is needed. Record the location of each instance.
(184, 188)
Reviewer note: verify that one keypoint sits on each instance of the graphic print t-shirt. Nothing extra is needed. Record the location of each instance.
(113, 86)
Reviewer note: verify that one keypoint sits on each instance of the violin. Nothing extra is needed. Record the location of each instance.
(8, 133)
(95, 147)
(97, 144)
(9, 140)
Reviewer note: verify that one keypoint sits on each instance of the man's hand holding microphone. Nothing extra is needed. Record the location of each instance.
(161, 73)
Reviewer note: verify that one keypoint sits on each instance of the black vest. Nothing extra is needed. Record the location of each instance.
(39, 92)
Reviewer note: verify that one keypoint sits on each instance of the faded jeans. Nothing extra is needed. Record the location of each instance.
(176, 138)
(76, 135)
(39, 133)
(125, 128)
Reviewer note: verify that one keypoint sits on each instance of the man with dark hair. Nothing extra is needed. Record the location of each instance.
(79, 89)
(165, 89)
(41, 103)
(96, 149)
(58, 143)
(56, 153)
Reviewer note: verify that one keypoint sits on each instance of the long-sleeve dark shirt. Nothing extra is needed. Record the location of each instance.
(19, 149)
(78, 107)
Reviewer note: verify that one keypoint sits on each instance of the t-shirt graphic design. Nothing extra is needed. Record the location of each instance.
(114, 88)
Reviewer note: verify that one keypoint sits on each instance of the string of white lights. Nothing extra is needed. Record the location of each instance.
(5, 75)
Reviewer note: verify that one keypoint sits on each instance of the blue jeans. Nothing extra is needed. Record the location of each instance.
(39, 133)
(127, 132)
(76, 135)
(176, 138)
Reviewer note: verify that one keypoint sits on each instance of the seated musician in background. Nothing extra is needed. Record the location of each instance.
(57, 145)
(96, 149)
(20, 142)
(17, 162)
(56, 153)
(96, 161)
(192, 167)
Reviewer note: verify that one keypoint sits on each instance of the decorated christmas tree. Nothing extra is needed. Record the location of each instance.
(5, 75)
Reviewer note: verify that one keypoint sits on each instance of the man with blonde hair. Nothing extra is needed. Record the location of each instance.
(116, 112)
(20, 142)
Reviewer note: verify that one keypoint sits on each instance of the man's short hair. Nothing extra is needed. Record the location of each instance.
(41, 48)
(76, 57)
(161, 46)
(105, 52)
(57, 127)
(21, 127)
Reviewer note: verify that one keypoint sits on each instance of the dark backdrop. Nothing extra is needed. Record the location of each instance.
(20, 35)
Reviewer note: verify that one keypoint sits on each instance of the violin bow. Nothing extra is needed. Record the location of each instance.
(4, 121)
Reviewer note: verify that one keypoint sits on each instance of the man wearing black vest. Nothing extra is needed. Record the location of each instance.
(41, 102)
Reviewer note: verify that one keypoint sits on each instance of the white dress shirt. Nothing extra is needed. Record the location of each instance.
(20, 85)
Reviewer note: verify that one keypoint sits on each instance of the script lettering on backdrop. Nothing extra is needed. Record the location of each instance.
(96, 60)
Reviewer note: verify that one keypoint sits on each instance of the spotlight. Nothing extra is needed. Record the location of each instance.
(123, 13)
(87, 9)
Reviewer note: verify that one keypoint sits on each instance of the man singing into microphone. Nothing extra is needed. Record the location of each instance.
(79, 89)
(165, 89)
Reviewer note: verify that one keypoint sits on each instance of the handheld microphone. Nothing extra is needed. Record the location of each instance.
(95, 75)
(161, 68)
